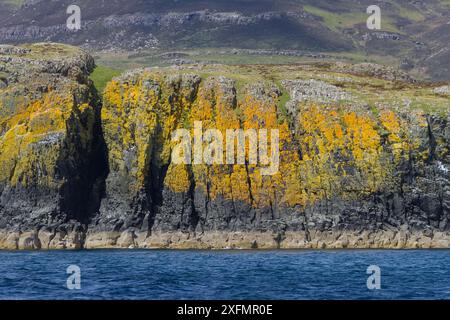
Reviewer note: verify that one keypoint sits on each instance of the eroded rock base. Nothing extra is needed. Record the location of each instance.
(225, 240)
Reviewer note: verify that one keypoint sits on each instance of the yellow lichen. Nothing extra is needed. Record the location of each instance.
(31, 143)
(333, 151)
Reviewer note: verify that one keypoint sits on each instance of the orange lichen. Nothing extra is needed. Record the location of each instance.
(333, 151)
(32, 139)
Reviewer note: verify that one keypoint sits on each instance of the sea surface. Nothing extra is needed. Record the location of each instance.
(160, 274)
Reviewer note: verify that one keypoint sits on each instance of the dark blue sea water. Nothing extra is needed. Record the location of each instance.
(188, 275)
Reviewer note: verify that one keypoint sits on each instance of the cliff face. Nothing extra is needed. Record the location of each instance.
(343, 169)
(351, 173)
(49, 120)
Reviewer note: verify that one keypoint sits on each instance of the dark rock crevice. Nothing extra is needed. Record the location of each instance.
(83, 165)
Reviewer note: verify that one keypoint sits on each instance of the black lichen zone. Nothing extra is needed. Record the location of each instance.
(83, 165)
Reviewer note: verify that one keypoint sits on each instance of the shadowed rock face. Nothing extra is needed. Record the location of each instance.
(76, 176)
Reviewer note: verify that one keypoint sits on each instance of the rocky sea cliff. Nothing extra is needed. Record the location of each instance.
(364, 156)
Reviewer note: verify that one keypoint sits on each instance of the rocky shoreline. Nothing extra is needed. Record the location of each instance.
(225, 240)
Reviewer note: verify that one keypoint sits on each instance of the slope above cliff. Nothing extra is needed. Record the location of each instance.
(414, 34)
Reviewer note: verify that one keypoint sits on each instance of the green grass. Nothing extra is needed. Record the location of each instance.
(282, 102)
(50, 51)
(213, 55)
(102, 75)
(407, 13)
(362, 90)
(339, 21)
(336, 21)
(126, 61)
(15, 3)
